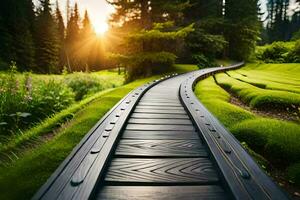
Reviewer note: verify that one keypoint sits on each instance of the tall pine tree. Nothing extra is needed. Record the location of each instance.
(16, 37)
(72, 38)
(61, 35)
(242, 27)
(47, 41)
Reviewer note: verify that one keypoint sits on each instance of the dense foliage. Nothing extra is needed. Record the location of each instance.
(35, 37)
(282, 22)
(279, 52)
(221, 30)
(26, 99)
(151, 51)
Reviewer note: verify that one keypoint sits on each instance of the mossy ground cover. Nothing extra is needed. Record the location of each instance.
(22, 177)
(275, 140)
(264, 87)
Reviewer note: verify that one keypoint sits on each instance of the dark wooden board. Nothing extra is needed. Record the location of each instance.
(158, 111)
(147, 127)
(160, 135)
(161, 148)
(210, 192)
(158, 116)
(160, 101)
(160, 121)
(160, 104)
(161, 171)
(162, 107)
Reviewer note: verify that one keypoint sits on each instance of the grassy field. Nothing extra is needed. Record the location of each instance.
(34, 165)
(276, 140)
(26, 99)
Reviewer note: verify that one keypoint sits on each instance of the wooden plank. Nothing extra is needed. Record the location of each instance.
(147, 127)
(158, 116)
(162, 171)
(160, 100)
(160, 135)
(210, 192)
(157, 111)
(160, 121)
(162, 107)
(159, 104)
(161, 148)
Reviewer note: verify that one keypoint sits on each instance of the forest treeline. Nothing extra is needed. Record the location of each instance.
(191, 31)
(143, 34)
(36, 38)
(283, 23)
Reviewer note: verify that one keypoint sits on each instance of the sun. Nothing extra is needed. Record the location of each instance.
(101, 28)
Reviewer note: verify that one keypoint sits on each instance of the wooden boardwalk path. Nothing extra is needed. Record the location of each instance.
(160, 143)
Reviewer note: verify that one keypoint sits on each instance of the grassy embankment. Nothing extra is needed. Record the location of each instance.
(260, 86)
(21, 178)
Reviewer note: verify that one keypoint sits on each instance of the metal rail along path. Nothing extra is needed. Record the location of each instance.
(160, 142)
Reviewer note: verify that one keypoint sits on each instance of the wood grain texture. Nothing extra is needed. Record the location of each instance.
(162, 107)
(147, 127)
(160, 104)
(160, 121)
(159, 111)
(211, 192)
(161, 148)
(160, 135)
(159, 171)
(158, 116)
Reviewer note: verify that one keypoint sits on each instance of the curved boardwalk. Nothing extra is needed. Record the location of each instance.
(160, 142)
(160, 154)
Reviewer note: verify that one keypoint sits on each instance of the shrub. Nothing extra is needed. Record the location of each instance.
(146, 64)
(83, 84)
(48, 98)
(23, 103)
(275, 53)
(294, 54)
(203, 61)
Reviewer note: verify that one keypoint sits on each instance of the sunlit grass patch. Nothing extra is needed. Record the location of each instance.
(275, 140)
(257, 97)
(265, 84)
(35, 165)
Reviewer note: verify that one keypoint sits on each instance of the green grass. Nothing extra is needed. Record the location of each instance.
(258, 97)
(275, 140)
(34, 166)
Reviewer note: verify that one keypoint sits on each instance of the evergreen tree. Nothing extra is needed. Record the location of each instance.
(61, 34)
(142, 13)
(242, 27)
(72, 38)
(201, 9)
(16, 34)
(47, 40)
(278, 21)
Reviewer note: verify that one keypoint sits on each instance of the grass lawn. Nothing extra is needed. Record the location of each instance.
(35, 165)
(275, 140)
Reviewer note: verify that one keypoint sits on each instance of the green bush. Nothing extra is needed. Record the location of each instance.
(145, 64)
(83, 84)
(48, 98)
(275, 53)
(203, 61)
(279, 52)
(294, 54)
(23, 103)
